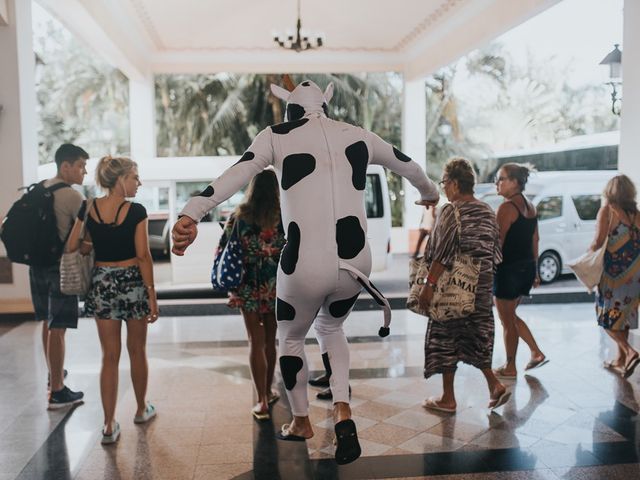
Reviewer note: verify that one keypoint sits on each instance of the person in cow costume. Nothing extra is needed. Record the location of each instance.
(321, 166)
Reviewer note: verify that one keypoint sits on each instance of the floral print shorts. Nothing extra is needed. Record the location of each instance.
(117, 293)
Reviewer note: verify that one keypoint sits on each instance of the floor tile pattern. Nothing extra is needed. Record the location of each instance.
(569, 419)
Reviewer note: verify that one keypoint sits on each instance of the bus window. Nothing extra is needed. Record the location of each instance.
(373, 197)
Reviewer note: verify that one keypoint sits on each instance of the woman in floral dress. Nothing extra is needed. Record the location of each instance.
(261, 234)
(618, 223)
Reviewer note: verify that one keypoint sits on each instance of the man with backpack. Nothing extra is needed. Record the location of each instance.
(34, 233)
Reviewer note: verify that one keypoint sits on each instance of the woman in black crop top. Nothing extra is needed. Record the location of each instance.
(122, 283)
(517, 274)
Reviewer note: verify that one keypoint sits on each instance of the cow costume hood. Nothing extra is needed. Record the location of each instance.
(305, 100)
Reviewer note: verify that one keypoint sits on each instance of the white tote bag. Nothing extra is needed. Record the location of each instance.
(589, 267)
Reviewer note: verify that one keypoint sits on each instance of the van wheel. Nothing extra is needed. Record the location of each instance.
(549, 267)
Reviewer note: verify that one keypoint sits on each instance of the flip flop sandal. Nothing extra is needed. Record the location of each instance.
(499, 372)
(501, 400)
(628, 370)
(432, 404)
(273, 398)
(536, 363)
(258, 415)
(148, 414)
(284, 434)
(347, 445)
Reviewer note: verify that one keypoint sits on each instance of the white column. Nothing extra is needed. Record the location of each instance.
(629, 154)
(142, 118)
(414, 138)
(18, 136)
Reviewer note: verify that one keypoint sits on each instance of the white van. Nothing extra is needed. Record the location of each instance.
(195, 266)
(567, 204)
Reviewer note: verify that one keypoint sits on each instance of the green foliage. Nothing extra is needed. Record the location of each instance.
(80, 99)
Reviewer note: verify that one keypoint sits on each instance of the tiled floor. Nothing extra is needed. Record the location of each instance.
(569, 419)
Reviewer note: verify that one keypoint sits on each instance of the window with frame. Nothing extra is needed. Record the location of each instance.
(587, 206)
(549, 207)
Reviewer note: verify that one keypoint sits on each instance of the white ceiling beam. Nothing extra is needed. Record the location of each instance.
(92, 22)
(480, 22)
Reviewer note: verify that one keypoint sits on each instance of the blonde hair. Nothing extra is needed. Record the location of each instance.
(461, 170)
(518, 172)
(109, 169)
(621, 191)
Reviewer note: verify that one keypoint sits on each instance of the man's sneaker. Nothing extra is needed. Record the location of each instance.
(113, 437)
(49, 377)
(64, 398)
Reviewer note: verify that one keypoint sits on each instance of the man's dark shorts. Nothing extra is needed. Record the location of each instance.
(49, 303)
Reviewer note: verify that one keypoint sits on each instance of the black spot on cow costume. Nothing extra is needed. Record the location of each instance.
(321, 167)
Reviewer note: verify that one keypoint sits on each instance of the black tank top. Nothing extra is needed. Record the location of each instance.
(114, 242)
(518, 243)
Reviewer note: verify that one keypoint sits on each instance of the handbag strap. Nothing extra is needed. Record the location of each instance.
(456, 214)
(84, 220)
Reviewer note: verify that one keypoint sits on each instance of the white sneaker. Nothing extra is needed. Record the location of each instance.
(113, 438)
(148, 414)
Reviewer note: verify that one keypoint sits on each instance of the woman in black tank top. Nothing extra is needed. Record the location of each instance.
(517, 274)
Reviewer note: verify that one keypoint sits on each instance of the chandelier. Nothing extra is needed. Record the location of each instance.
(299, 41)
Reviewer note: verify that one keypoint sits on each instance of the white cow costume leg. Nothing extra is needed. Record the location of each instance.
(321, 166)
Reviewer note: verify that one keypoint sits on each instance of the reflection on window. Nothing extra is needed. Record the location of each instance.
(186, 190)
(587, 206)
(373, 197)
(549, 207)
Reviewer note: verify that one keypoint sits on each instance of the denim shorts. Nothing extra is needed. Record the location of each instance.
(49, 303)
(514, 280)
(117, 293)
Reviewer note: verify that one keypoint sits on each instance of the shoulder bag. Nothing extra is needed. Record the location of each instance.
(76, 268)
(227, 269)
(455, 294)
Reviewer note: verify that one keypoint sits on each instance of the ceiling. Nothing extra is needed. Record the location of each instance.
(412, 36)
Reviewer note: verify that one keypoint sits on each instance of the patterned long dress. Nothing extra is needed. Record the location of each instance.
(261, 249)
(619, 289)
(468, 339)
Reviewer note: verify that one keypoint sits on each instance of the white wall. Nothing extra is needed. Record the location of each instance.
(629, 154)
(18, 141)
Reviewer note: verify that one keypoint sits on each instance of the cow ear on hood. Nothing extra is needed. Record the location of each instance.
(280, 92)
(328, 92)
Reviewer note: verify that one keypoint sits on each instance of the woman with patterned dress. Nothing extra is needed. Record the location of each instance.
(259, 228)
(618, 223)
(468, 339)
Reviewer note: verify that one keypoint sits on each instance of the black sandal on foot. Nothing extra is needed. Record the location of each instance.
(347, 446)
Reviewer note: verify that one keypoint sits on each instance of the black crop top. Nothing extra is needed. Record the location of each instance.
(111, 242)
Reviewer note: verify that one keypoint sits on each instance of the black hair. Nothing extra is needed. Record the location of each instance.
(68, 152)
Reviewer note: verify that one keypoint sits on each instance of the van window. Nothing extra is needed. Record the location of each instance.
(549, 207)
(373, 197)
(587, 206)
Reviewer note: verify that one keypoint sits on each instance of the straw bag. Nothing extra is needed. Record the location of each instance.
(455, 294)
(418, 272)
(76, 268)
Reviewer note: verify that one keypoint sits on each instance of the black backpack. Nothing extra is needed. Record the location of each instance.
(30, 230)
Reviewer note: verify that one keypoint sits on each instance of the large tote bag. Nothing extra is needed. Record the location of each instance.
(455, 294)
(76, 268)
(589, 267)
(227, 266)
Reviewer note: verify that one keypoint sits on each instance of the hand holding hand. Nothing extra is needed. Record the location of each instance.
(183, 234)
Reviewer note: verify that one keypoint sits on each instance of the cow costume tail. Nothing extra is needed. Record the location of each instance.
(380, 299)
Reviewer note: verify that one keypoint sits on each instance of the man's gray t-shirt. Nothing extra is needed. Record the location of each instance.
(66, 205)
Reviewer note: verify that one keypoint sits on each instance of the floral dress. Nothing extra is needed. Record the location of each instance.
(261, 249)
(619, 289)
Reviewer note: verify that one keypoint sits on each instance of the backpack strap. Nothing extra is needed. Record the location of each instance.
(58, 186)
